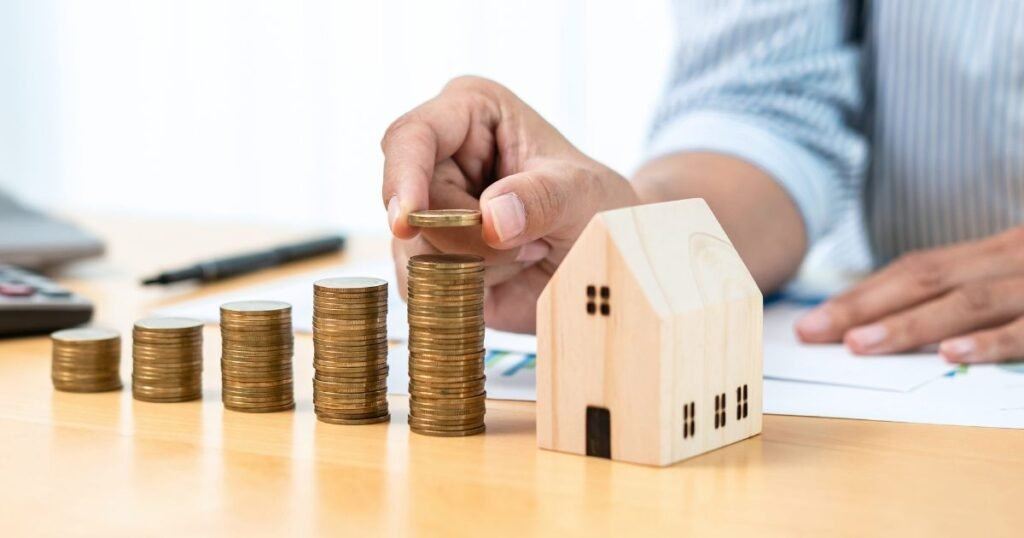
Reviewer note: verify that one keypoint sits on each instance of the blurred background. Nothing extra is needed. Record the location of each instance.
(273, 110)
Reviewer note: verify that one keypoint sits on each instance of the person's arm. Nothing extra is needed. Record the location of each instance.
(754, 124)
(757, 119)
(760, 218)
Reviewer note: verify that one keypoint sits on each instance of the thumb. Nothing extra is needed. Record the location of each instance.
(524, 207)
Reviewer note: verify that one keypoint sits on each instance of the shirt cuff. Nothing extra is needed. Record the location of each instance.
(809, 182)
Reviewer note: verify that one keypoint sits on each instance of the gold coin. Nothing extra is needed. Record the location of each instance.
(451, 423)
(330, 329)
(459, 268)
(440, 349)
(436, 433)
(449, 417)
(446, 261)
(445, 218)
(448, 393)
(274, 408)
(448, 305)
(350, 359)
(474, 370)
(352, 422)
(424, 367)
(447, 286)
(353, 372)
(103, 386)
(454, 424)
(173, 399)
(255, 307)
(364, 366)
(354, 406)
(416, 277)
(351, 354)
(445, 402)
(167, 377)
(348, 307)
(165, 336)
(353, 414)
(168, 325)
(349, 302)
(257, 400)
(366, 284)
(377, 321)
(85, 334)
(453, 340)
(343, 383)
(325, 383)
(350, 396)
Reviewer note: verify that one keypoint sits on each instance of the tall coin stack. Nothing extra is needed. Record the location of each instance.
(256, 356)
(167, 359)
(446, 345)
(350, 341)
(86, 360)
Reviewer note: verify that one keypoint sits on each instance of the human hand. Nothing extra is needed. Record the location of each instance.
(968, 297)
(477, 145)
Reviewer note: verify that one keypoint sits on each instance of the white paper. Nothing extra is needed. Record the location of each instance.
(785, 358)
(984, 395)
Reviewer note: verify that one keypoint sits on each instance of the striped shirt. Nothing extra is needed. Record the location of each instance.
(895, 125)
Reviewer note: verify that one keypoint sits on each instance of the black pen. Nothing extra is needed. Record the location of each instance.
(246, 263)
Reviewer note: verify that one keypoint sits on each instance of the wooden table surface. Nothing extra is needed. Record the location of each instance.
(104, 464)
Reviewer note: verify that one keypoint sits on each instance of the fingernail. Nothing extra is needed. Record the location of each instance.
(958, 349)
(509, 216)
(815, 322)
(394, 209)
(867, 337)
(533, 251)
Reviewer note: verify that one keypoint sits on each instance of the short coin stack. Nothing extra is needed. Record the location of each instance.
(350, 340)
(446, 345)
(256, 360)
(86, 360)
(167, 359)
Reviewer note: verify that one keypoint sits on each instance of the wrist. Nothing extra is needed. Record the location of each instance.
(618, 191)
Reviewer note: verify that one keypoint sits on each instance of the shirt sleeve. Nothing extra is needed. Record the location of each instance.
(776, 83)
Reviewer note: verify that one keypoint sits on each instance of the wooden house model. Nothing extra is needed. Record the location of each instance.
(649, 339)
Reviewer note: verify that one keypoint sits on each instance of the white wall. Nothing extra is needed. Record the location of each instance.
(274, 109)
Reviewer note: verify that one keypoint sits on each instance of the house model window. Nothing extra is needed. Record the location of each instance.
(741, 402)
(597, 304)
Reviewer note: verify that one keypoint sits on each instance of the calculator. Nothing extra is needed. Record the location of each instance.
(32, 304)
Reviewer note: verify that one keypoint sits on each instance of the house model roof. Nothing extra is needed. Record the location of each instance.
(679, 255)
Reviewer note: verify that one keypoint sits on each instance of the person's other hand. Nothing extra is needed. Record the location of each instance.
(477, 145)
(968, 297)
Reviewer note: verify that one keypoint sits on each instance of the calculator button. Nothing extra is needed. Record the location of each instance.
(16, 290)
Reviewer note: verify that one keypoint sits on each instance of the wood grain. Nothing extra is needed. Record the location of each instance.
(104, 465)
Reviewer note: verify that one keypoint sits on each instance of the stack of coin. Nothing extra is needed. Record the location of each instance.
(446, 345)
(167, 359)
(86, 360)
(350, 340)
(256, 356)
